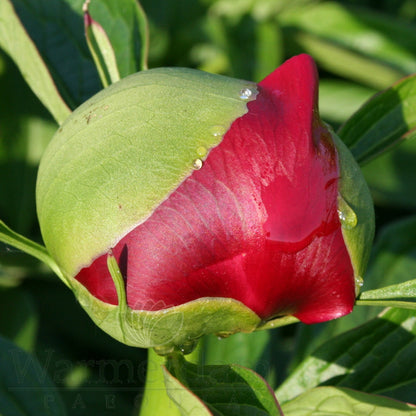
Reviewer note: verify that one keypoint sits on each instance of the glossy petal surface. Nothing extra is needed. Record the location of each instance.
(257, 223)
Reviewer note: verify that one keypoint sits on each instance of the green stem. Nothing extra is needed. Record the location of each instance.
(155, 399)
(10, 237)
(387, 303)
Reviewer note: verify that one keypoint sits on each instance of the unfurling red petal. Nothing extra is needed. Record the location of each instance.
(257, 223)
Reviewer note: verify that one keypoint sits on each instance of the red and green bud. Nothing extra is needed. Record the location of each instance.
(179, 203)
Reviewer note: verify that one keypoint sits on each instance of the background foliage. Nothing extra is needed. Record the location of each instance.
(361, 47)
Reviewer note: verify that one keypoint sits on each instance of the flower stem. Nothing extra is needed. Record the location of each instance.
(155, 399)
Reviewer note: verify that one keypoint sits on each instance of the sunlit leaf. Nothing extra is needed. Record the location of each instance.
(332, 401)
(377, 357)
(16, 42)
(358, 44)
(383, 121)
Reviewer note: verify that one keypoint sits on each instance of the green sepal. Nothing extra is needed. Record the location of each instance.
(121, 153)
(178, 328)
(356, 211)
(168, 329)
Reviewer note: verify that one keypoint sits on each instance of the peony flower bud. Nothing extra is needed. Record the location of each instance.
(179, 203)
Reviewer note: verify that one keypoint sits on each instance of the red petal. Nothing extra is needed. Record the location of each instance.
(258, 223)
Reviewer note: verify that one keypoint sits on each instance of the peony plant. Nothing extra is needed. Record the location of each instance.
(177, 204)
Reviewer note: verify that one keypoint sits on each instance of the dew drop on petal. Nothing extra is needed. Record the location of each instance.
(346, 214)
(246, 93)
(197, 164)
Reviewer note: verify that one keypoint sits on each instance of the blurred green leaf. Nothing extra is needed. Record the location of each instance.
(210, 390)
(325, 401)
(243, 349)
(339, 100)
(25, 388)
(26, 128)
(18, 318)
(388, 117)
(393, 259)
(377, 357)
(355, 43)
(95, 374)
(392, 176)
(16, 42)
(232, 24)
(126, 25)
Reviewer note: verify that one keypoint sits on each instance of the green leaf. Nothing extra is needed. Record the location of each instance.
(186, 401)
(25, 388)
(101, 50)
(394, 262)
(126, 25)
(377, 357)
(57, 29)
(382, 122)
(332, 401)
(392, 176)
(16, 42)
(358, 44)
(227, 390)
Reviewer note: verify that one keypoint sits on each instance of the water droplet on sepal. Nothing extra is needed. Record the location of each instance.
(188, 347)
(218, 131)
(246, 93)
(346, 215)
(359, 281)
(164, 349)
(197, 164)
(201, 151)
